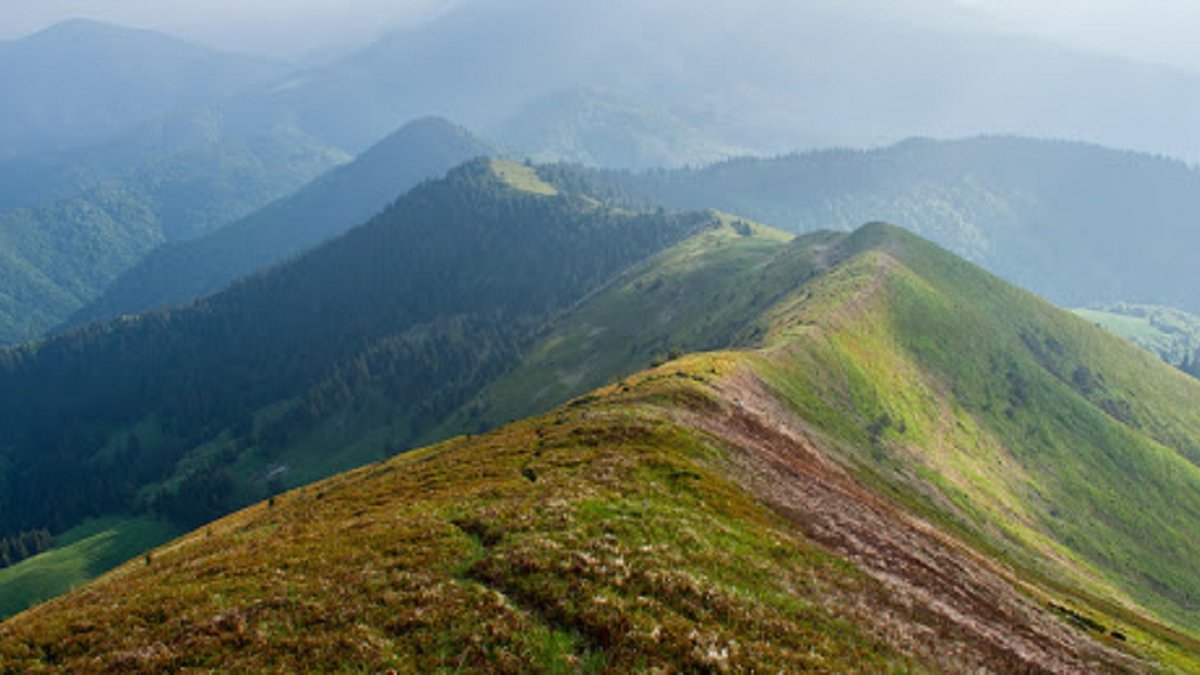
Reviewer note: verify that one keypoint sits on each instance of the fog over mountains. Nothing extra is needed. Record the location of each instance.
(628, 85)
(765, 75)
(81, 81)
(567, 337)
(769, 76)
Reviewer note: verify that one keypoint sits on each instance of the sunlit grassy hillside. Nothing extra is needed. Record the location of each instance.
(905, 464)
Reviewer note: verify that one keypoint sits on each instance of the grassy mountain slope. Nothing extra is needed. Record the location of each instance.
(996, 454)
(58, 255)
(608, 536)
(699, 295)
(907, 464)
(1078, 224)
(1039, 433)
(344, 197)
(987, 438)
(345, 354)
(79, 82)
(611, 547)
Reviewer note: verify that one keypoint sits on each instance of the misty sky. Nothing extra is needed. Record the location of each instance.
(284, 28)
(1145, 30)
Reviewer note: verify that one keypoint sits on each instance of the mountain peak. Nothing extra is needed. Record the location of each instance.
(430, 135)
(80, 28)
(432, 124)
(328, 207)
(880, 235)
(84, 40)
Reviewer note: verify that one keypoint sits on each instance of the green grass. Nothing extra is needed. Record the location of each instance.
(1031, 432)
(603, 537)
(82, 554)
(943, 385)
(522, 177)
(612, 535)
(697, 296)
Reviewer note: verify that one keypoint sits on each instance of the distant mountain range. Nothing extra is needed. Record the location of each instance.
(599, 128)
(1077, 223)
(59, 255)
(329, 206)
(81, 82)
(154, 176)
(576, 81)
(772, 77)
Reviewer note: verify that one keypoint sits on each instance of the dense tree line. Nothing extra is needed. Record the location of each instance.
(327, 207)
(424, 303)
(24, 545)
(1191, 365)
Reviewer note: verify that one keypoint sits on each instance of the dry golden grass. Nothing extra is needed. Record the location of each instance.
(597, 538)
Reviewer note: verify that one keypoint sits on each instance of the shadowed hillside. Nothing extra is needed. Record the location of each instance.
(58, 255)
(343, 355)
(891, 499)
(328, 207)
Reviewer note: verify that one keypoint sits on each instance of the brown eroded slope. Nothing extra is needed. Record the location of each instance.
(958, 608)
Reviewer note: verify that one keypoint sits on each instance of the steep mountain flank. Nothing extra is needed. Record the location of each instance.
(345, 354)
(79, 82)
(906, 463)
(59, 254)
(337, 201)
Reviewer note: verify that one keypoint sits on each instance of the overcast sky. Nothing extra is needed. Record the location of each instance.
(1147, 30)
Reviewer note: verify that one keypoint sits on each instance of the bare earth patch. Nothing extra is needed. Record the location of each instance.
(943, 601)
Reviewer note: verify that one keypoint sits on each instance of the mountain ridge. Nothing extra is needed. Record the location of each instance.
(846, 441)
(188, 413)
(329, 206)
(1058, 217)
(1036, 89)
(121, 76)
(989, 199)
(60, 254)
